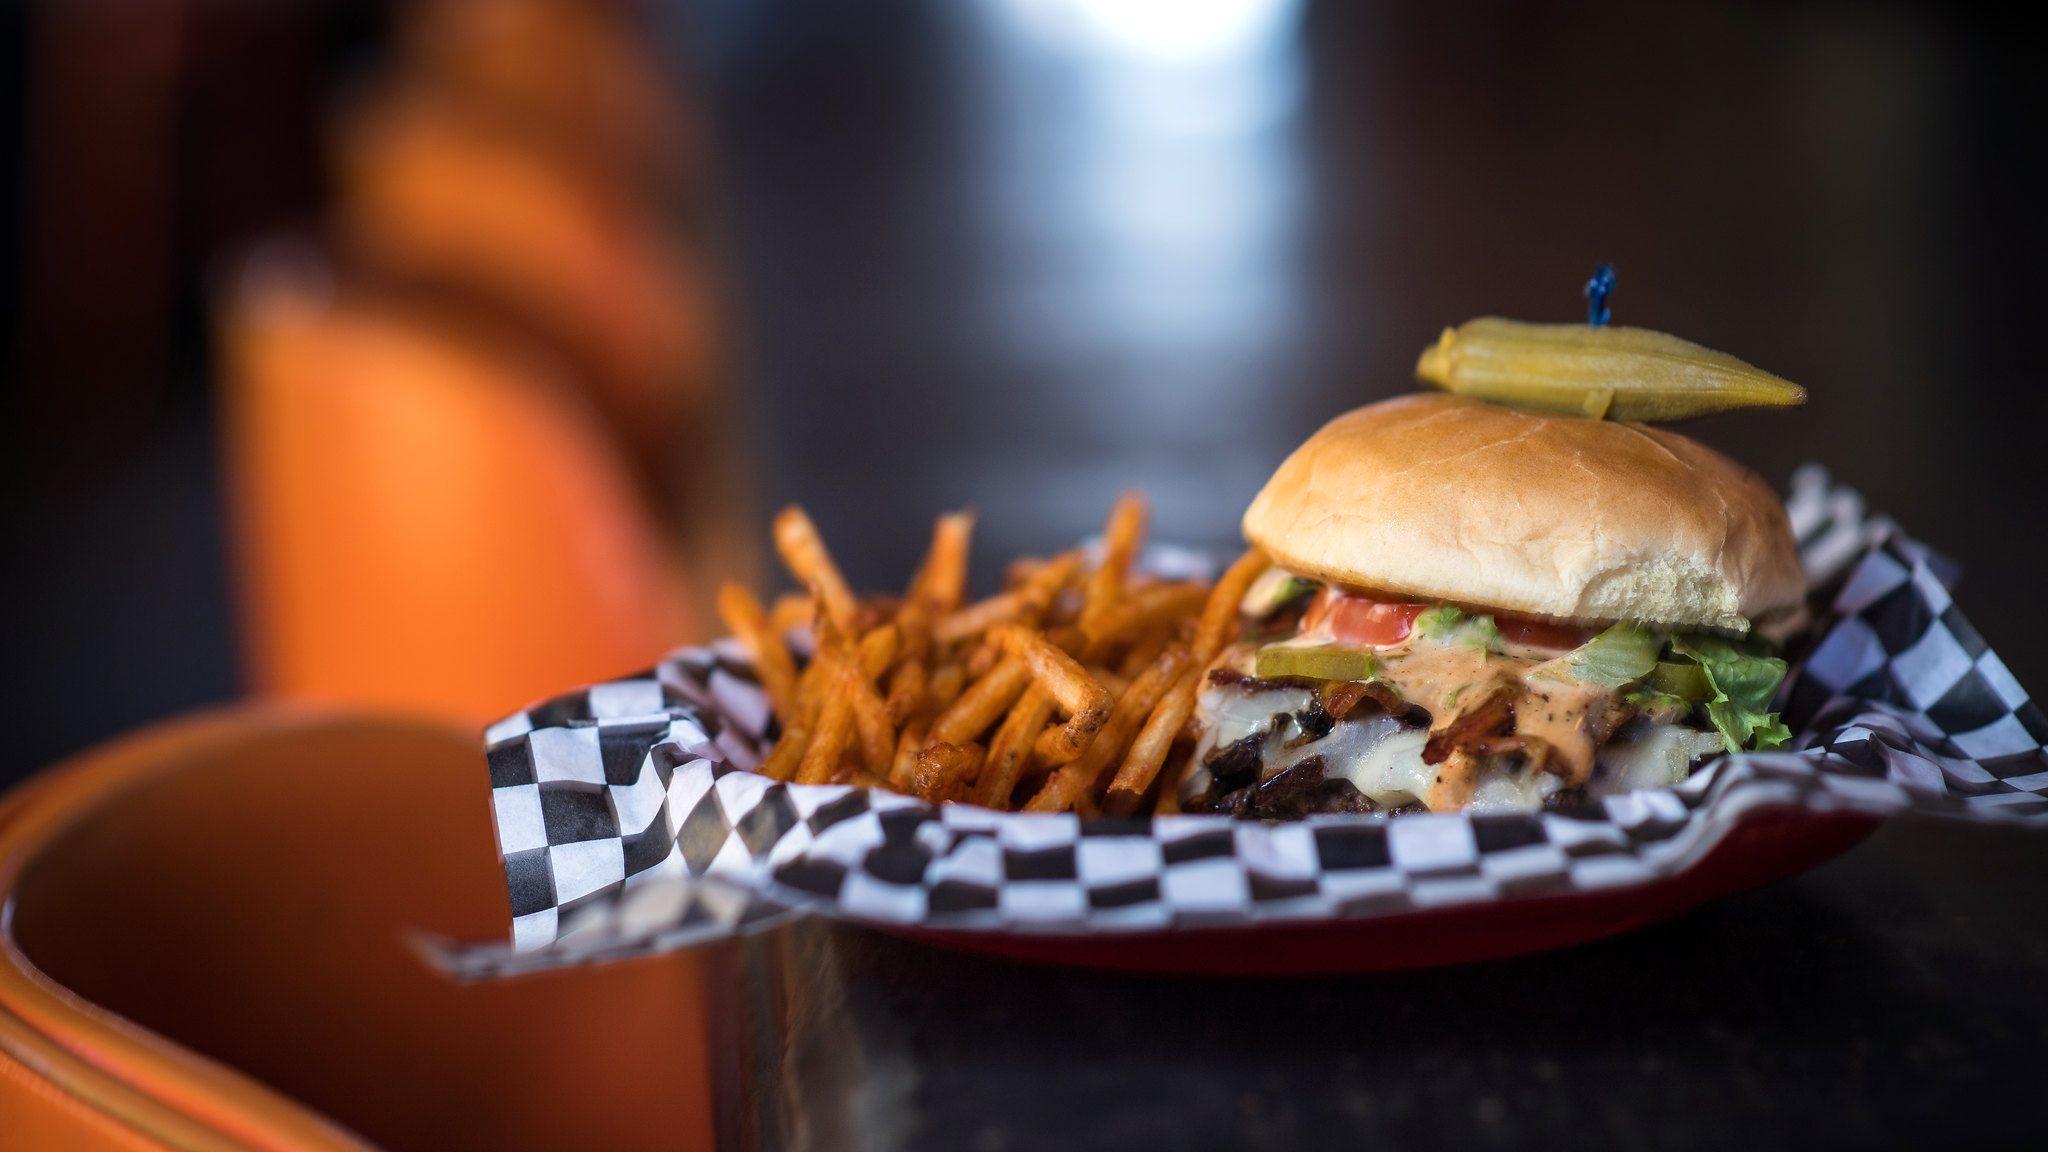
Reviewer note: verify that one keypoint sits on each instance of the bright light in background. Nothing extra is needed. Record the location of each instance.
(1165, 68)
(1145, 181)
(1168, 31)
(1148, 147)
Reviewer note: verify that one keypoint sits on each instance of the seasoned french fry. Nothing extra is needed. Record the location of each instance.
(907, 679)
(1131, 712)
(1026, 604)
(878, 651)
(1054, 748)
(1079, 678)
(977, 617)
(787, 754)
(811, 685)
(947, 681)
(913, 629)
(1018, 572)
(844, 670)
(1066, 638)
(944, 771)
(942, 578)
(1059, 674)
(792, 610)
(1121, 538)
(1148, 609)
(1143, 653)
(873, 613)
(909, 695)
(834, 733)
(907, 690)
(1045, 585)
(803, 552)
(982, 659)
(908, 743)
(1086, 703)
(871, 724)
(1011, 746)
(1148, 752)
(744, 616)
(1070, 738)
(983, 701)
(1219, 615)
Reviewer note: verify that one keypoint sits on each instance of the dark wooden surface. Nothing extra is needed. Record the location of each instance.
(1892, 998)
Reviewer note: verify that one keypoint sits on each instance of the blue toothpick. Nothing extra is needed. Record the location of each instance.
(1597, 291)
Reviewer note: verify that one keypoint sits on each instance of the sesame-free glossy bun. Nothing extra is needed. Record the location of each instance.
(1438, 497)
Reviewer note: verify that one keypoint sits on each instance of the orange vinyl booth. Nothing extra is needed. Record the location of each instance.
(424, 523)
(206, 924)
(206, 946)
(429, 196)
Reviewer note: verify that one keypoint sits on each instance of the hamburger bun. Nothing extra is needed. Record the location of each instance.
(1438, 497)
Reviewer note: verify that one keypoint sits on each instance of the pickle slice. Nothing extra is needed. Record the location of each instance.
(1616, 373)
(1681, 678)
(1284, 661)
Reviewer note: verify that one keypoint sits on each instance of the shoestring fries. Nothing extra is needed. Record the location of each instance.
(750, 625)
(803, 552)
(1067, 690)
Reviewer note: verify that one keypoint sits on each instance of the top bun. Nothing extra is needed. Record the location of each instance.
(1438, 497)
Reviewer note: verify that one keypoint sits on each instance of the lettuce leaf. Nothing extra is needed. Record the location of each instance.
(1439, 622)
(1743, 681)
(1660, 707)
(1621, 655)
(1447, 624)
(1274, 589)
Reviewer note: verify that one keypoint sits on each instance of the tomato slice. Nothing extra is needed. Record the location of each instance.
(1541, 633)
(1362, 620)
(1368, 623)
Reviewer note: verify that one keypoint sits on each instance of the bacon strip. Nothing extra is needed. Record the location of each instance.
(1491, 714)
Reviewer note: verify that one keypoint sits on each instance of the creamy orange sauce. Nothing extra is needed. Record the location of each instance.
(1440, 677)
(1563, 718)
(1560, 712)
(1447, 680)
(1456, 779)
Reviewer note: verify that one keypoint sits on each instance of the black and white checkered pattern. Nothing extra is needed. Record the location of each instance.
(630, 820)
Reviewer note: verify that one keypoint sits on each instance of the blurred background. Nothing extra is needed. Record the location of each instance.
(430, 357)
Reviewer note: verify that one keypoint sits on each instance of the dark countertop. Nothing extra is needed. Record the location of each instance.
(1895, 997)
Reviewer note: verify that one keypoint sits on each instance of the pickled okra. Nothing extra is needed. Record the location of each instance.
(1615, 373)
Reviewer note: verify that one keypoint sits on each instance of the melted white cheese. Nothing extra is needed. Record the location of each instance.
(1657, 758)
(1233, 714)
(1229, 714)
(1382, 756)
(1388, 769)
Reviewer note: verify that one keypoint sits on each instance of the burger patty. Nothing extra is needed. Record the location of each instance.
(1442, 733)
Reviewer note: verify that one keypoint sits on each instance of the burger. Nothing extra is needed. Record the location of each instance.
(1482, 607)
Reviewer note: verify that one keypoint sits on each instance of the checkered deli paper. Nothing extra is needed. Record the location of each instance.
(631, 820)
